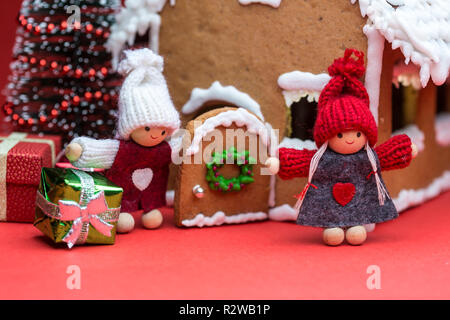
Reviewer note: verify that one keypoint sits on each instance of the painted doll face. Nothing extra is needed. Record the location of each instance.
(149, 137)
(348, 142)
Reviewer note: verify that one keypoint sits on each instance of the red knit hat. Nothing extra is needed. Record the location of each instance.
(344, 102)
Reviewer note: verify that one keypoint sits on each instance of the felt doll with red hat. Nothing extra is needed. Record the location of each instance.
(138, 159)
(345, 190)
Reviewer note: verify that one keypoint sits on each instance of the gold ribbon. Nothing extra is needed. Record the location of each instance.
(8, 143)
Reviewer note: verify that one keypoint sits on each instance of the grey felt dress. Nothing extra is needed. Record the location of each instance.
(346, 193)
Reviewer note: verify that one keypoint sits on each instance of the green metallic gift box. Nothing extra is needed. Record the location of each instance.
(77, 207)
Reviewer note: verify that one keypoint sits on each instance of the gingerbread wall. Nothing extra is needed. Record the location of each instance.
(249, 47)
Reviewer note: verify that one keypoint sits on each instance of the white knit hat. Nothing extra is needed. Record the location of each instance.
(144, 97)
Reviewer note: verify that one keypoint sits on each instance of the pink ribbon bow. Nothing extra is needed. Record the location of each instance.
(72, 211)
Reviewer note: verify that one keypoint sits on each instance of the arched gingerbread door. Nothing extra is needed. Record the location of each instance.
(222, 178)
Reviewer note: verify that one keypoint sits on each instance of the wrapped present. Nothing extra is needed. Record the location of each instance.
(77, 207)
(22, 157)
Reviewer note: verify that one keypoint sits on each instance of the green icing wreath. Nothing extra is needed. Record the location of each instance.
(241, 159)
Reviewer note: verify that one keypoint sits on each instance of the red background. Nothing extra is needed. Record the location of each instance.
(267, 260)
(8, 15)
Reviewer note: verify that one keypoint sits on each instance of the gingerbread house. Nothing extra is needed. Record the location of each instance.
(270, 57)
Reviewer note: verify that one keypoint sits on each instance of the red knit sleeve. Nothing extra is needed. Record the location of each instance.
(294, 163)
(395, 153)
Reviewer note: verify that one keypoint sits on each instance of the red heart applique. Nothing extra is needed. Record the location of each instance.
(343, 193)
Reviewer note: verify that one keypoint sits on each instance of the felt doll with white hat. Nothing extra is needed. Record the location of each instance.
(138, 159)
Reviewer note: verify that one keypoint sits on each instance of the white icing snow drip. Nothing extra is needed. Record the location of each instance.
(297, 85)
(375, 47)
(137, 17)
(294, 143)
(217, 92)
(283, 213)
(240, 117)
(420, 28)
(170, 196)
(415, 134)
(411, 197)
(220, 218)
(442, 128)
(272, 3)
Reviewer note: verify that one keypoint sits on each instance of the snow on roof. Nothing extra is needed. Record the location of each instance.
(298, 80)
(137, 17)
(420, 28)
(299, 84)
(217, 92)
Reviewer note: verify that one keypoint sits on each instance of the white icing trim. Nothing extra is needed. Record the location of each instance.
(217, 92)
(272, 3)
(283, 213)
(415, 134)
(375, 48)
(220, 218)
(442, 128)
(298, 80)
(240, 117)
(137, 17)
(170, 196)
(295, 96)
(297, 85)
(297, 144)
(419, 28)
(411, 197)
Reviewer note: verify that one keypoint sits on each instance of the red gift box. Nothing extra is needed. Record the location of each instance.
(22, 156)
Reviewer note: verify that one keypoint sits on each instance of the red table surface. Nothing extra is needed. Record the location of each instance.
(266, 260)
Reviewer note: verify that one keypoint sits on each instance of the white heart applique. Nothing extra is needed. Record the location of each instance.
(142, 178)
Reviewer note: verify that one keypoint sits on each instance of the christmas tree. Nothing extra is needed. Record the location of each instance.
(62, 80)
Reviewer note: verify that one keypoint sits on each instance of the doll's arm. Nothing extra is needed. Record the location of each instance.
(396, 153)
(93, 153)
(294, 163)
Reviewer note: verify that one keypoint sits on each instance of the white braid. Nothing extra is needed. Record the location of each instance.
(312, 169)
(382, 193)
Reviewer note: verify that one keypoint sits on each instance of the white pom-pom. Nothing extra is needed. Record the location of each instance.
(138, 59)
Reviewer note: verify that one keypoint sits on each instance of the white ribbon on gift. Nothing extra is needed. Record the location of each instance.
(6, 145)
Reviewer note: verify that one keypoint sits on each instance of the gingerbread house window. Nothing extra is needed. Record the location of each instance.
(442, 121)
(406, 88)
(443, 99)
(302, 118)
(404, 106)
(405, 91)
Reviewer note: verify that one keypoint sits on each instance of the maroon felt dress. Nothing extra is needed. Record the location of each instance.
(143, 173)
